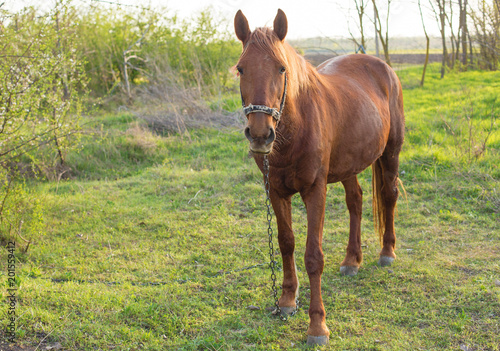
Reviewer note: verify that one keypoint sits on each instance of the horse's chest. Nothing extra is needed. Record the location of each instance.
(291, 180)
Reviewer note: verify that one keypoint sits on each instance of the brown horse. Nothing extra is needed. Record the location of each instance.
(320, 126)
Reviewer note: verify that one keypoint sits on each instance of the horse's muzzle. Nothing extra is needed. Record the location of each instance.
(261, 144)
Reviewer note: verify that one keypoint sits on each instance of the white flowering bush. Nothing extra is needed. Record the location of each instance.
(42, 89)
(41, 85)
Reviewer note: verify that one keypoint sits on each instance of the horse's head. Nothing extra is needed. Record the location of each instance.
(262, 71)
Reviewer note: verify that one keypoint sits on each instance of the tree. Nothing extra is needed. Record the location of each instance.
(441, 19)
(462, 4)
(426, 47)
(384, 37)
(361, 6)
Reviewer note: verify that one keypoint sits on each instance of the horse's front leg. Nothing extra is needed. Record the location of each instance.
(283, 211)
(314, 198)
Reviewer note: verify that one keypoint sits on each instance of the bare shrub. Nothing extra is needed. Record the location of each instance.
(169, 105)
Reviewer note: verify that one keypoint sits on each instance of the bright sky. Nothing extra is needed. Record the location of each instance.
(330, 18)
(310, 18)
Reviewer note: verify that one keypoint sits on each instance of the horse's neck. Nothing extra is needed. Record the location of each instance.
(304, 115)
(291, 127)
(303, 107)
(292, 121)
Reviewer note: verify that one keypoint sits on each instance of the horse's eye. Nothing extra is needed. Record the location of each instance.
(282, 70)
(240, 70)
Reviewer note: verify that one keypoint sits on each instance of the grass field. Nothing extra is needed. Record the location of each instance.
(158, 242)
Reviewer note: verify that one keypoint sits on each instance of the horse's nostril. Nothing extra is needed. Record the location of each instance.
(271, 137)
(247, 134)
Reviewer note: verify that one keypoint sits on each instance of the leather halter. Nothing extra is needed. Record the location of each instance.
(274, 112)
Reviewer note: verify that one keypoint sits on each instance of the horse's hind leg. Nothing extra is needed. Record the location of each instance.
(354, 201)
(283, 211)
(385, 171)
(389, 162)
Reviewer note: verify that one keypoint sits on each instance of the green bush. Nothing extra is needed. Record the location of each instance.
(124, 47)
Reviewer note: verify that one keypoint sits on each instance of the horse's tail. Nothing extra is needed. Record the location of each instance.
(378, 202)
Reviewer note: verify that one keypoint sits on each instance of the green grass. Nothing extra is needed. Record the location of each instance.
(187, 212)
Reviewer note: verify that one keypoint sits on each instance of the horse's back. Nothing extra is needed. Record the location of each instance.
(371, 73)
(357, 67)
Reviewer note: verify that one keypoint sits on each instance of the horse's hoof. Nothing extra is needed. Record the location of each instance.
(349, 270)
(317, 340)
(385, 261)
(284, 311)
(287, 311)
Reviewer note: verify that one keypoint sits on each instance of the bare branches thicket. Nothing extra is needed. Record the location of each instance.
(477, 48)
(486, 20)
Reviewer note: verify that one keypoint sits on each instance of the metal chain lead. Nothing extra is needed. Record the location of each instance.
(272, 262)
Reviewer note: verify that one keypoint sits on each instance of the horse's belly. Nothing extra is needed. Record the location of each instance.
(356, 154)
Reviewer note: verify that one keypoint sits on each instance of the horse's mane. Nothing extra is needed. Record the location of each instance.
(299, 72)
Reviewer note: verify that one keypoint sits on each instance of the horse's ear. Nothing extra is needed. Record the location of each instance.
(280, 25)
(241, 26)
